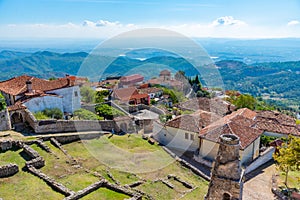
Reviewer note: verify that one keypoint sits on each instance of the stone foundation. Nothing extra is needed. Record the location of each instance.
(8, 170)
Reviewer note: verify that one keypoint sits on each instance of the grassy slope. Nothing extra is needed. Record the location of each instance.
(58, 166)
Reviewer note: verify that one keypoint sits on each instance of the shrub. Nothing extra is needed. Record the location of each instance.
(55, 113)
(86, 115)
(108, 112)
(40, 115)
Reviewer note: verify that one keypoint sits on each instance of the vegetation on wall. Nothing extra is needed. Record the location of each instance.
(2, 102)
(108, 112)
(49, 113)
(83, 114)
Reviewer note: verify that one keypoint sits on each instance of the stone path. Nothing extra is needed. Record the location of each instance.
(260, 184)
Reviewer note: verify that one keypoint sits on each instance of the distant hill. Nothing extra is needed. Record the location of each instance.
(277, 79)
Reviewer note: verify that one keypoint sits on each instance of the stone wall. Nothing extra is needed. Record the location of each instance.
(8, 170)
(59, 126)
(63, 139)
(5, 123)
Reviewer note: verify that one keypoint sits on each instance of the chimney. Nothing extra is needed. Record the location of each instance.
(226, 175)
(29, 86)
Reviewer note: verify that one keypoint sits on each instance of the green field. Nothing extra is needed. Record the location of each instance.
(119, 159)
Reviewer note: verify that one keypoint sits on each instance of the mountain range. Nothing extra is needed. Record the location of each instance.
(274, 79)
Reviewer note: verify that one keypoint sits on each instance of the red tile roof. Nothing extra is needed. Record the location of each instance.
(193, 122)
(131, 79)
(165, 73)
(150, 90)
(214, 105)
(17, 85)
(239, 123)
(125, 94)
(276, 122)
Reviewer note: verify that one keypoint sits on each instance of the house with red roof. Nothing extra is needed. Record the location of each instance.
(131, 80)
(131, 96)
(37, 94)
(181, 133)
(240, 123)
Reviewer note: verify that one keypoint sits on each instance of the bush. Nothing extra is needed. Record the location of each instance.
(108, 112)
(84, 114)
(40, 115)
(88, 95)
(55, 113)
(49, 113)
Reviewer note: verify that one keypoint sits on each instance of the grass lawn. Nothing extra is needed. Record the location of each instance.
(128, 159)
(23, 185)
(293, 179)
(105, 194)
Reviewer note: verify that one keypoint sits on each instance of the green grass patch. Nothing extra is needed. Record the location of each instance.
(78, 181)
(158, 190)
(197, 193)
(105, 194)
(293, 179)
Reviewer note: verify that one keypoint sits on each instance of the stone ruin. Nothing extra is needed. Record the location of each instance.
(226, 182)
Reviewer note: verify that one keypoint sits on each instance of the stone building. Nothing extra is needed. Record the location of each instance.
(226, 182)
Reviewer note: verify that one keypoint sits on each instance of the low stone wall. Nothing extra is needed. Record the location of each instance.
(30, 152)
(59, 126)
(64, 139)
(55, 185)
(85, 191)
(5, 123)
(38, 162)
(8, 170)
(262, 159)
(6, 145)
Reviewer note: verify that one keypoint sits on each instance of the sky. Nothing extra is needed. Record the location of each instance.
(20, 19)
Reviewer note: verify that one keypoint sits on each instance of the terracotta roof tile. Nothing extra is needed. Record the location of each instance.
(239, 123)
(124, 94)
(214, 105)
(272, 121)
(132, 78)
(17, 85)
(193, 122)
(150, 90)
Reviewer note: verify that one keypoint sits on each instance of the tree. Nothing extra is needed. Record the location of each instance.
(288, 157)
(108, 112)
(100, 95)
(87, 94)
(2, 102)
(245, 101)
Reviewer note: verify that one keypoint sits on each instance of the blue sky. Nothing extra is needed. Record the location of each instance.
(105, 18)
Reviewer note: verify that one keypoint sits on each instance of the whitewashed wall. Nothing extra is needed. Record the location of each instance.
(41, 103)
(70, 98)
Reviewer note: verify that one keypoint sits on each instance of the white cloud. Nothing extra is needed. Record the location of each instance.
(100, 23)
(227, 21)
(293, 23)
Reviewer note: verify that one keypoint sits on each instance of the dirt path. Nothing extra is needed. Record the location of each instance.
(259, 186)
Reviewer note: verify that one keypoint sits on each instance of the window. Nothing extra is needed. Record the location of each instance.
(76, 94)
(192, 137)
(186, 136)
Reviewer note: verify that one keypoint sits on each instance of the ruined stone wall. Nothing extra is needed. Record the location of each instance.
(8, 170)
(72, 138)
(58, 126)
(5, 123)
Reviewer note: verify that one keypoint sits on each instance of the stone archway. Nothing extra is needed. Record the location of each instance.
(16, 118)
